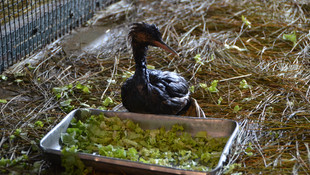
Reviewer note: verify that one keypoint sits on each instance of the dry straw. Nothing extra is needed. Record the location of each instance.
(247, 45)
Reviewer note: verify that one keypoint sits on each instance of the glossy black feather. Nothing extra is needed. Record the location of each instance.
(152, 91)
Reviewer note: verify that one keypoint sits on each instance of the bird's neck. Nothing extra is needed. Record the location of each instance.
(139, 54)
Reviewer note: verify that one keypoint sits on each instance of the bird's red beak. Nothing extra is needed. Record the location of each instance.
(164, 46)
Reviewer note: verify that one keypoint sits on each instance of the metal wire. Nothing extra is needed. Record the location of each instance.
(29, 25)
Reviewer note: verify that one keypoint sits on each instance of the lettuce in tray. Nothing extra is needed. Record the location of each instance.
(125, 139)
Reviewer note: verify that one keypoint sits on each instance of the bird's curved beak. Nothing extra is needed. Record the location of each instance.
(164, 46)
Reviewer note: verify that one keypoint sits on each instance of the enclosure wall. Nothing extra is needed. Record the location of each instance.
(29, 25)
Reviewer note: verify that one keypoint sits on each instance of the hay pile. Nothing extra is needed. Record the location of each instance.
(258, 51)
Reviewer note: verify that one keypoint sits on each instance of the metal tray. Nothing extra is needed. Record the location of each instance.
(50, 143)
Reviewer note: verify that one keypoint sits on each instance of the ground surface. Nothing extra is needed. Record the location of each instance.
(257, 50)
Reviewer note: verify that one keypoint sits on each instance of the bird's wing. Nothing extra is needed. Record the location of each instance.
(172, 83)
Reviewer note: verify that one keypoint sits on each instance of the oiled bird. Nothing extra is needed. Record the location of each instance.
(148, 90)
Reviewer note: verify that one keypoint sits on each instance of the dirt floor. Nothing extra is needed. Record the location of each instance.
(257, 50)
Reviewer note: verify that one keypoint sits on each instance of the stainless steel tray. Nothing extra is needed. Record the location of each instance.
(50, 143)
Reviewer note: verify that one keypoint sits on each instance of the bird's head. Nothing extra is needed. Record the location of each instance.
(148, 34)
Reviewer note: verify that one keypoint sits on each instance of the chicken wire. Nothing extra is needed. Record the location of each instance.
(29, 25)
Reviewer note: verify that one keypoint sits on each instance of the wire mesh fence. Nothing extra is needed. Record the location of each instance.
(29, 25)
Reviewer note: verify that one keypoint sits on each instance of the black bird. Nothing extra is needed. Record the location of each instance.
(153, 91)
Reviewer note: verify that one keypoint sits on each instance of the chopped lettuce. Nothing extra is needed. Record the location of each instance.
(125, 139)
